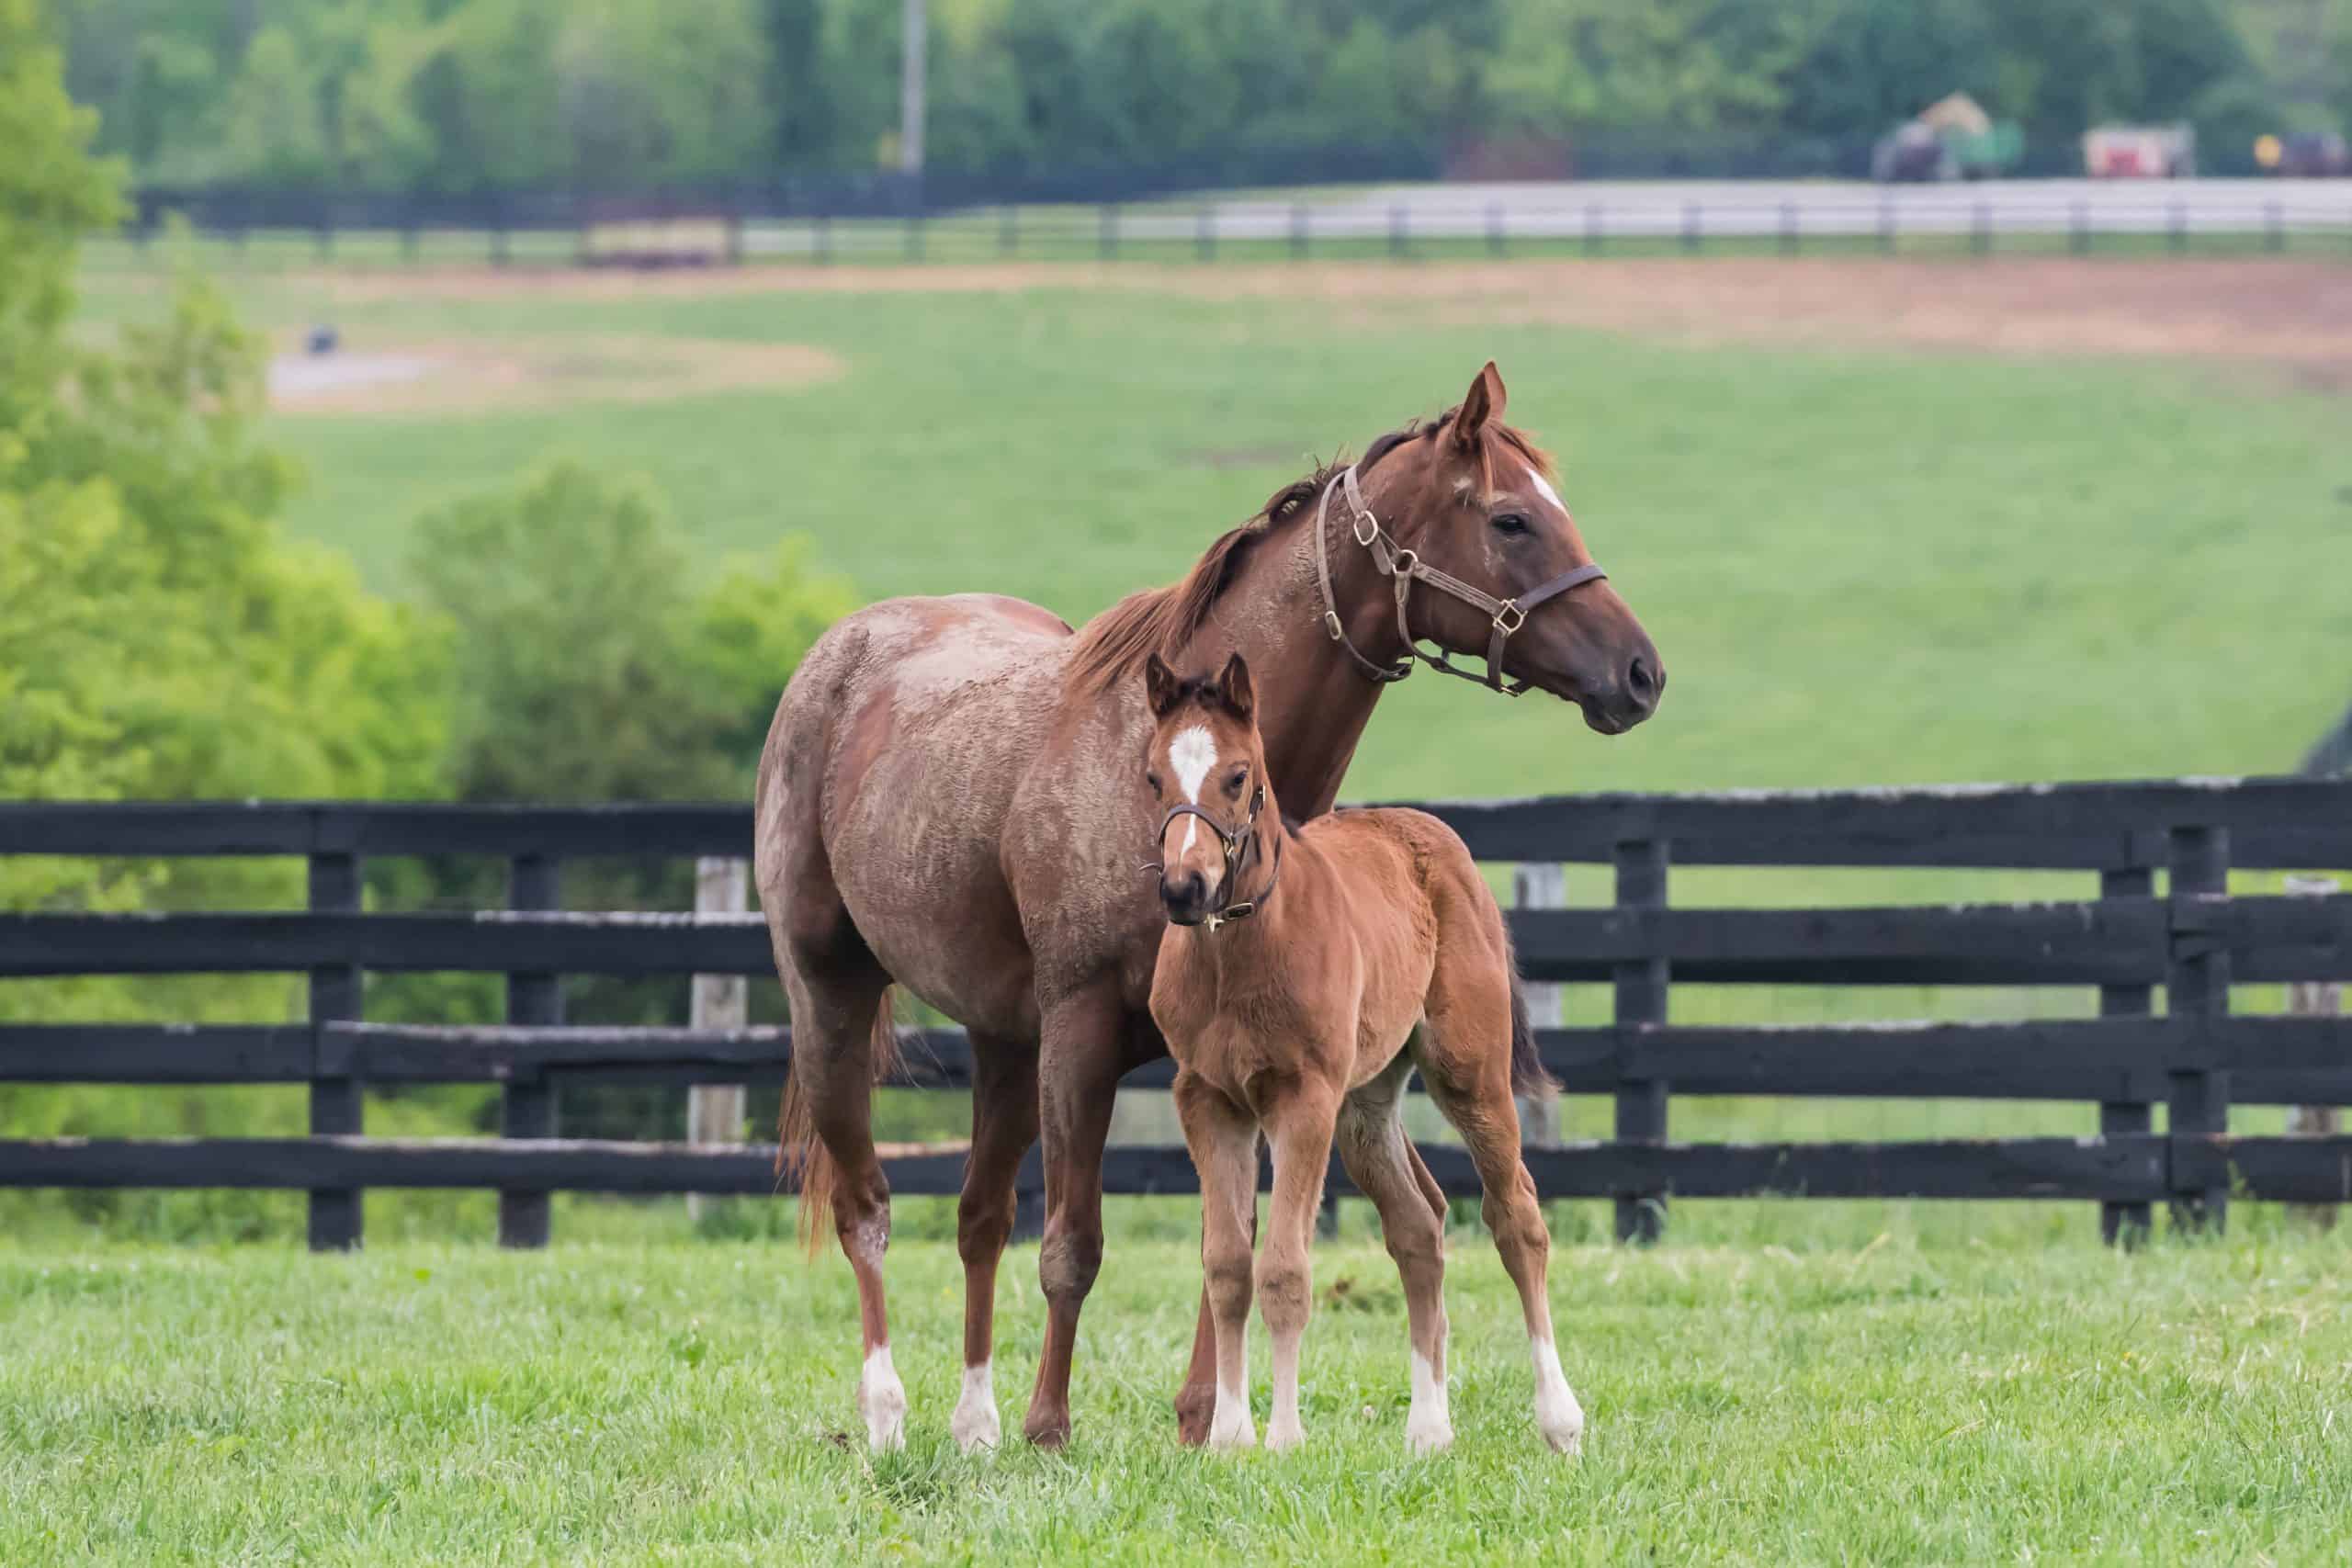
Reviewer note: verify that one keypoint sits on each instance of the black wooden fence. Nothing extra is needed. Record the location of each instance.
(2194, 940)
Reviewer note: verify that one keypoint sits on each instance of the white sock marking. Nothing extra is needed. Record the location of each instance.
(1429, 1426)
(882, 1400)
(1231, 1427)
(1558, 1415)
(1191, 754)
(974, 1425)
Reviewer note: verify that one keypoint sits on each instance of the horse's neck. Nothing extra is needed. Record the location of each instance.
(1313, 702)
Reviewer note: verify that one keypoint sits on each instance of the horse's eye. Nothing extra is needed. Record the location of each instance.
(1233, 785)
(1510, 522)
(1152, 779)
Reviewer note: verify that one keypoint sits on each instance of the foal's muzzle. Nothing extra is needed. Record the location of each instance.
(1186, 896)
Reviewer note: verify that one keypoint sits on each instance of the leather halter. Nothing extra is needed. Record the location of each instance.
(1403, 567)
(1237, 844)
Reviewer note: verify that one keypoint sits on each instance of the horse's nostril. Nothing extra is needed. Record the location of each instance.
(1641, 680)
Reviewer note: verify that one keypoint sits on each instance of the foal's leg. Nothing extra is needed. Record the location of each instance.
(833, 1057)
(1223, 1139)
(1004, 1123)
(1381, 1162)
(1299, 1127)
(1474, 1090)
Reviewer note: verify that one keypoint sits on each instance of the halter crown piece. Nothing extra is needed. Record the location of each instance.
(1237, 844)
(1403, 567)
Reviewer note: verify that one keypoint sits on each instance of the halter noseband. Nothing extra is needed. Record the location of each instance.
(1403, 566)
(1237, 844)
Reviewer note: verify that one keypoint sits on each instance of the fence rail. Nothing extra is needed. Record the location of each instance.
(2194, 940)
(791, 224)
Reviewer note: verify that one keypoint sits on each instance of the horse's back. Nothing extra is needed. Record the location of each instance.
(886, 781)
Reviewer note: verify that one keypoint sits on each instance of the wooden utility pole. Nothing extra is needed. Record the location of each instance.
(715, 1112)
(910, 87)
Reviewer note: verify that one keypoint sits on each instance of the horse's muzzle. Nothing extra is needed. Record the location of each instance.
(1186, 896)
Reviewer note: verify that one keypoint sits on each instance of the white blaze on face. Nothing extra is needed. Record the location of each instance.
(1543, 488)
(1190, 756)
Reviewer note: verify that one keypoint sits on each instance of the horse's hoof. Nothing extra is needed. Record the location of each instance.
(1195, 1407)
(883, 1402)
(1425, 1438)
(1236, 1432)
(1567, 1440)
(1047, 1429)
(975, 1425)
(1281, 1437)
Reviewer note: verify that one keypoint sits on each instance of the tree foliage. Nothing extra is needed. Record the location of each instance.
(458, 95)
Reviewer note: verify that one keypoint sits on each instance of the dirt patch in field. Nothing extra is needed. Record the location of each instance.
(2282, 312)
(464, 374)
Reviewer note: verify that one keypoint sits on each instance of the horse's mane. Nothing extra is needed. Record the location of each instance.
(1161, 620)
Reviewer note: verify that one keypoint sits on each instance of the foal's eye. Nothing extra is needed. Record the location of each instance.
(1151, 778)
(1510, 522)
(1233, 785)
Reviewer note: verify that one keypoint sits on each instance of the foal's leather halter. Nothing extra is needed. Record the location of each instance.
(1237, 844)
(1402, 566)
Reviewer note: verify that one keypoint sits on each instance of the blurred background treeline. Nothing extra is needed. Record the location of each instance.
(457, 95)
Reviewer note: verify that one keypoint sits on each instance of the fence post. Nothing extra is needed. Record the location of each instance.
(1495, 229)
(1204, 233)
(1592, 228)
(2314, 999)
(734, 233)
(1540, 886)
(2196, 986)
(2274, 225)
(1789, 234)
(1980, 229)
(1641, 999)
(1399, 236)
(1106, 232)
(335, 1103)
(2176, 226)
(1691, 230)
(2125, 1222)
(2078, 228)
(1298, 230)
(535, 882)
(1007, 230)
(914, 236)
(821, 238)
(1886, 226)
(715, 1112)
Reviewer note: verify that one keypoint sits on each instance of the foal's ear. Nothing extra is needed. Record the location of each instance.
(1481, 406)
(1240, 694)
(1158, 686)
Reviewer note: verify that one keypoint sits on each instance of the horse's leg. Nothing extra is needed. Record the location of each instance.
(832, 1060)
(1078, 1064)
(1004, 1123)
(1299, 1128)
(1467, 1066)
(1223, 1144)
(1381, 1161)
(1196, 1403)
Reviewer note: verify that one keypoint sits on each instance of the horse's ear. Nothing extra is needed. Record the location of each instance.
(1240, 694)
(1481, 406)
(1158, 686)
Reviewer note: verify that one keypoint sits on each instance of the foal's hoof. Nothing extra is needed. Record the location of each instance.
(1423, 1438)
(1567, 1440)
(1195, 1407)
(1279, 1438)
(975, 1425)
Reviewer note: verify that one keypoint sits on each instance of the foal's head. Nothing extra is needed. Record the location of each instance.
(1206, 768)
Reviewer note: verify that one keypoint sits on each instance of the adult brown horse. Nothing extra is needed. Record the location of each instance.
(950, 800)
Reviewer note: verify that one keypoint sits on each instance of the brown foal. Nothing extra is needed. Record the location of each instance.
(1306, 972)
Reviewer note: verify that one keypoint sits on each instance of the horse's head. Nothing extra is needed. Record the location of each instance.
(1206, 769)
(1468, 498)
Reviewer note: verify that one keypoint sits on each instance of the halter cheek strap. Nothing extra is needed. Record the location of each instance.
(1404, 568)
(1237, 844)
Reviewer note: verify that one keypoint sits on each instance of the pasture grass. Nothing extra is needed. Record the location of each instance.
(1861, 568)
(1883, 1402)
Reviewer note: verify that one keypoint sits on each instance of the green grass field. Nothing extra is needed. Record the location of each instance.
(1860, 567)
(689, 1403)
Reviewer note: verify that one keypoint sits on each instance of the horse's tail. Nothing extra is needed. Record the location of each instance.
(1528, 1075)
(801, 1154)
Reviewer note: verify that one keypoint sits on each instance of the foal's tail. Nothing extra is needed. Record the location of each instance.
(801, 1154)
(1527, 1073)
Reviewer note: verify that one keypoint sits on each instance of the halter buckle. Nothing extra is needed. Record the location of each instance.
(1517, 617)
(1366, 528)
(1332, 625)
